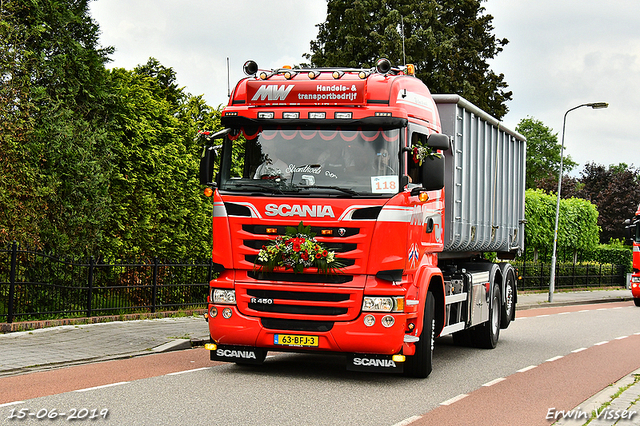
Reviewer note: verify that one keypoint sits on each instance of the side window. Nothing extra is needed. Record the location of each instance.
(416, 138)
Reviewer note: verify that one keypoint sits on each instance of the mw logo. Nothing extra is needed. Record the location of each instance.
(272, 92)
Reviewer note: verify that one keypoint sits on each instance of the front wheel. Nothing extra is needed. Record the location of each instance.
(421, 364)
(636, 300)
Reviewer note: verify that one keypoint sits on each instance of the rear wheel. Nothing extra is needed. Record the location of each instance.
(486, 335)
(507, 310)
(421, 364)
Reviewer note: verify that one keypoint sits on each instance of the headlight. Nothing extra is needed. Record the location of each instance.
(223, 296)
(383, 304)
(635, 279)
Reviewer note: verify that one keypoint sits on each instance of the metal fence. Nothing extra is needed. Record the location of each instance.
(573, 270)
(536, 275)
(34, 285)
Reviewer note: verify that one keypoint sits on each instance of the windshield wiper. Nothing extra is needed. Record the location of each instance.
(279, 188)
(337, 188)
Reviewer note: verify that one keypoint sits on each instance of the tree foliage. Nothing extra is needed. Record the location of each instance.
(615, 190)
(54, 86)
(577, 225)
(449, 41)
(92, 161)
(543, 152)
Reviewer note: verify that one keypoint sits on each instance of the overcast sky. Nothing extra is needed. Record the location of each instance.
(561, 54)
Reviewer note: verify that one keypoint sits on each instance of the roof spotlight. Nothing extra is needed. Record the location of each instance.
(383, 66)
(250, 67)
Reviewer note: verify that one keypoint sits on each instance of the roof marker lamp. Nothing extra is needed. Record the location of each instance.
(266, 115)
(263, 75)
(313, 75)
(363, 75)
(337, 74)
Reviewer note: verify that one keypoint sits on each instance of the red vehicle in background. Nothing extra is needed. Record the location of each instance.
(635, 237)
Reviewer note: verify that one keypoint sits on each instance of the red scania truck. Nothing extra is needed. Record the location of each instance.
(634, 227)
(351, 211)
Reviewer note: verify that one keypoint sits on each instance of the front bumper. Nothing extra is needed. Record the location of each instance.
(344, 336)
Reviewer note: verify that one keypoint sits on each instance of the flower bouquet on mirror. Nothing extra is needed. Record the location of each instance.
(296, 250)
(421, 153)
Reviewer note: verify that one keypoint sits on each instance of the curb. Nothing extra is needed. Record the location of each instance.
(34, 325)
(520, 307)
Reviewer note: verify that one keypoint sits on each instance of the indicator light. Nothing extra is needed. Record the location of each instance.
(208, 192)
(272, 230)
(399, 358)
(326, 232)
(210, 346)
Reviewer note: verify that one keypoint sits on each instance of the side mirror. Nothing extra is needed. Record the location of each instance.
(209, 155)
(438, 141)
(432, 173)
(207, 162)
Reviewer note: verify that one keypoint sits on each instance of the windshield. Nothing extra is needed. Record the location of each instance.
(354, 162)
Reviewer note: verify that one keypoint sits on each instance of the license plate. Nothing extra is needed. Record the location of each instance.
(293, 340)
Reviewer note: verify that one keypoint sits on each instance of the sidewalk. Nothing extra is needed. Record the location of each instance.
(48, 348)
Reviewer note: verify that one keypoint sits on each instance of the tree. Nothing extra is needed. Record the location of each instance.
(577, 226)
(543, 152)
(54, 85)
(614, 190)
(158, 208)
(449, 41)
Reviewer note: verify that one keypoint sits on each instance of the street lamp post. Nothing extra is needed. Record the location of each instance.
(594, 105)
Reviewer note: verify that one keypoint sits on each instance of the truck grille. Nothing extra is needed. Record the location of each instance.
(301, 304)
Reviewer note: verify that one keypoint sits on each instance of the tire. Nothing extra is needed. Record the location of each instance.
(421, 363)
(486, 335)
(508, 309)
(636, 300)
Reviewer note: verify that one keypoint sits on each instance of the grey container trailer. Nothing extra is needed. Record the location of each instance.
(484, 186)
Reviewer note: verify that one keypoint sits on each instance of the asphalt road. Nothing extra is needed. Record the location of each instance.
(540, 362)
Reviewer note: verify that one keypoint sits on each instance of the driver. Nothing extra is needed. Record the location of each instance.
(272, 166)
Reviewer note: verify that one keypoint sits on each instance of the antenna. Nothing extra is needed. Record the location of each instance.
(228, 83)
(404, 60)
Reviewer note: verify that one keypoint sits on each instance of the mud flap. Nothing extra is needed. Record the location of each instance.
(374, 363)
(240, 354)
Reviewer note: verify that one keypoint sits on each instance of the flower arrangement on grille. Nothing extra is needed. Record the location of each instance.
(421, 153)
(296, 250)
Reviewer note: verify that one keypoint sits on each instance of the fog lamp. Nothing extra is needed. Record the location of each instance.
(369, 320)
(388, 321)
(226, 313)
(398, 358)
(213, 312)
